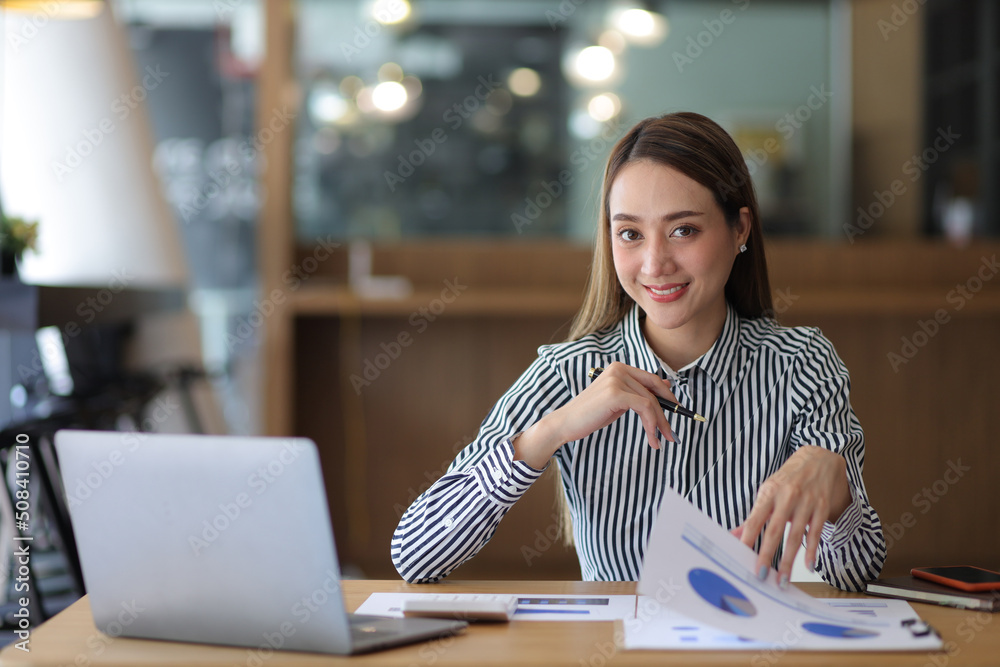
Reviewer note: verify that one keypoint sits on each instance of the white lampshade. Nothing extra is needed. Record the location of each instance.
(76, 155)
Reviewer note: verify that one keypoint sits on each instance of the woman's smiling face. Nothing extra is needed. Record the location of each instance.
(673, 249)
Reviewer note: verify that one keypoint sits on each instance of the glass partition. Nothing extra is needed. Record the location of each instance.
(442, 118)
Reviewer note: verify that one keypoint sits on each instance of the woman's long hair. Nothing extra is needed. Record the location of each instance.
(697, 147)
(700, 149)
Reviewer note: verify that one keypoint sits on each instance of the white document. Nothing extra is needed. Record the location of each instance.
(657, 627)
(696, 568)
(529, 607)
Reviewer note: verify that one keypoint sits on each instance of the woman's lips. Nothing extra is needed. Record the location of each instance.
(666, 293)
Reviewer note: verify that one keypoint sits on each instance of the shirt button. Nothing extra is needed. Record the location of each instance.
(448, 522)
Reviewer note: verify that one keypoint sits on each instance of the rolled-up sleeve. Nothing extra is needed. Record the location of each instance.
(451, 521)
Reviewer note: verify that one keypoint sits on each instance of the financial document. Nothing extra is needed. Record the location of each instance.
(656, 627)
(694, 569)
(529, 607)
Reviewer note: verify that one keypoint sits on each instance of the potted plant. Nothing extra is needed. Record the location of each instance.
(16, 236)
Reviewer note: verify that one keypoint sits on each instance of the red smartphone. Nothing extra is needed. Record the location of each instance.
(963, 577)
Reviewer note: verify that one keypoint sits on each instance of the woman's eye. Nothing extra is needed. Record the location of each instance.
(628, 235)
(683, 232)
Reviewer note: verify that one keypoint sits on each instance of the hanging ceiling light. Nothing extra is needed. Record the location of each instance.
(639, 23)
(390, 12)
(595, 63)
(389, 96)
(327, 104)
(524, 82)
(66, 9)
(604, 107)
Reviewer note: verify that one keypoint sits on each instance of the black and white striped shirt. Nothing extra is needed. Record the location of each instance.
(764, 389)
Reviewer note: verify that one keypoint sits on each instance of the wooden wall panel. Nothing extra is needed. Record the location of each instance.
(403, 426)
(931, 453)
(383, 442)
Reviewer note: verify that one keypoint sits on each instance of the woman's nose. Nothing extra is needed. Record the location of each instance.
(657, 258)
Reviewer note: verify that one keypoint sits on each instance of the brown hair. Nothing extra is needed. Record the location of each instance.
(699, 148)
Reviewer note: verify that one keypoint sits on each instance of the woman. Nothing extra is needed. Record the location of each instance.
(677, 306)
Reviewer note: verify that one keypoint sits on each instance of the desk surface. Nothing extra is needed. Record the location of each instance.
(971, 638)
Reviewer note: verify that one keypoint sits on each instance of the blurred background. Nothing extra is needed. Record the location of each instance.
(356, 221)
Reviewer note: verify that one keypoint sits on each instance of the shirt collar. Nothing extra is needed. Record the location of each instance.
(724, 359)
(636, 350)
(721, 363)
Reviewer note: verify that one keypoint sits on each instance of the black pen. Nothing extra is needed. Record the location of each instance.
(669, 406)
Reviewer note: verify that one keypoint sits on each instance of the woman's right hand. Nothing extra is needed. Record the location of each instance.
(617, 390)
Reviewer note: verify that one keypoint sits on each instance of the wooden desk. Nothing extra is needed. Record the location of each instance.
(70, 638)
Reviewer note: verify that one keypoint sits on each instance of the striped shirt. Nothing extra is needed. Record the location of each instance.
(764, 389)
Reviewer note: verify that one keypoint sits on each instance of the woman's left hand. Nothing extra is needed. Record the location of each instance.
(809, 489)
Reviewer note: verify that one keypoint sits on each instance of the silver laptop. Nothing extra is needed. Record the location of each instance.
(215, 539)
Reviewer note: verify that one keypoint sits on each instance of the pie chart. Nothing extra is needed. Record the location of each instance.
(720, 593)
(842, 631)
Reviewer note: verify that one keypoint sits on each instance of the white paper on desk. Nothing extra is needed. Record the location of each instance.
(695, 567)
(660, 628)
(529, 607)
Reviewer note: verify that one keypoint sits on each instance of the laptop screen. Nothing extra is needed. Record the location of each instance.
(216, 539)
